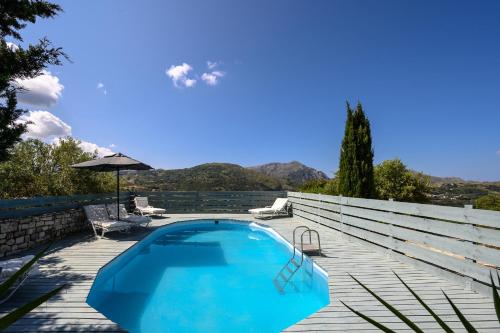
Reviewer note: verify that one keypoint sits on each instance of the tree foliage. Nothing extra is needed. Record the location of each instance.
(393, 180)
(355, 175)
(322, 186)
(490, 201)
(19, 63)
(39, 169)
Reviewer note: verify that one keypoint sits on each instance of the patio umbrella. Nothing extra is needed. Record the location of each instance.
(115, 162)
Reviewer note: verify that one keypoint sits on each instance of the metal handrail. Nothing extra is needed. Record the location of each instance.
(302, 240)
(297, 228)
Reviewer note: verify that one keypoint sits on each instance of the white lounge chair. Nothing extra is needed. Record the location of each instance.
(10, 267)
(142, 207)
(279, 208)
(99, 218)
(125, 216)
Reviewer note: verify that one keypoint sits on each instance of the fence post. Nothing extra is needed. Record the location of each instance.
(469, 280)
(319, 208)
(390, 236)
(341, 217)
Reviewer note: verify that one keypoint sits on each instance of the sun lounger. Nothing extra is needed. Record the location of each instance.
(99, 218)
(142, 207)
(279, 208)
(10, 267)
(125, 216)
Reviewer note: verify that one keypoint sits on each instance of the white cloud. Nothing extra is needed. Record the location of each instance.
(112, 145)
(43, 90)
(45, 126)
(179, 75)
(212, 78)
(212, 64)
(189, 82)
(101, 87)
(12, 46)
(90, 147)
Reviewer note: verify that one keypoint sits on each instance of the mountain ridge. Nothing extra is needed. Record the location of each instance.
(224, 177)
(293, 173)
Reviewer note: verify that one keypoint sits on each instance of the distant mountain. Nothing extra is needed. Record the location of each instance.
(205, 177)
(435, 180)
(292, 174)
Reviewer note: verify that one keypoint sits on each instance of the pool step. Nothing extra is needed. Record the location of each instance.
(281, 284)
(286, 273)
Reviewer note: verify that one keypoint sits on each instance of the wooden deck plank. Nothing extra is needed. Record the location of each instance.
(76, 260)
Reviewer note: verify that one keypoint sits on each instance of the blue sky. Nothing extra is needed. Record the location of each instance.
(427, 73)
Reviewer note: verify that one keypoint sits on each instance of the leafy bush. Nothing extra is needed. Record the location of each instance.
(394, 181)
(321, 186)
(490, 201)
(36, 168)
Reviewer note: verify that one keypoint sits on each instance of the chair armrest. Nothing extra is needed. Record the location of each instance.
(95, 222)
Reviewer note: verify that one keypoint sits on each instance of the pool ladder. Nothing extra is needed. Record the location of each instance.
(287, 272)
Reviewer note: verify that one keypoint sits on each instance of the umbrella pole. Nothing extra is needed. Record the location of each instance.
(118, 193)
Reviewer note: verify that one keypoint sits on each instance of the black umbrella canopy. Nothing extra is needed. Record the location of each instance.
(115, 162)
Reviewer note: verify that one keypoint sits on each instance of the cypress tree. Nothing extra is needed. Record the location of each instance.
(355, 175)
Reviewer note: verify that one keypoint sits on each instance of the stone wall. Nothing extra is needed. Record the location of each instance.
(20, 234)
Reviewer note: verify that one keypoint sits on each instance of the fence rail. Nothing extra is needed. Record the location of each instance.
(211, 202)
(18, 208)
(461, 241)
(174, 202)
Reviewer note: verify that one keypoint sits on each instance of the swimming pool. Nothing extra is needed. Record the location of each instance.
(203, 276)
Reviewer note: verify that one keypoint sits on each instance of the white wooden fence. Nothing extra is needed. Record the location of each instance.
(461, 243)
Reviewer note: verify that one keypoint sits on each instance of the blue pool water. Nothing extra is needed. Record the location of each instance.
(200, 276)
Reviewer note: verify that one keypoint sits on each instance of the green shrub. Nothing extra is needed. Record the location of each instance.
(490, 201)
(322, 186)
(393, 180)
(36, 168)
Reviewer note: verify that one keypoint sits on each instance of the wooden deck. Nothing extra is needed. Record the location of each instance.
(76, 260)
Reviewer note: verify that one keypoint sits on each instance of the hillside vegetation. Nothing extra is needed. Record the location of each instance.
(293, 174)
(205, 177)
(460, 192)
(224, 177)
